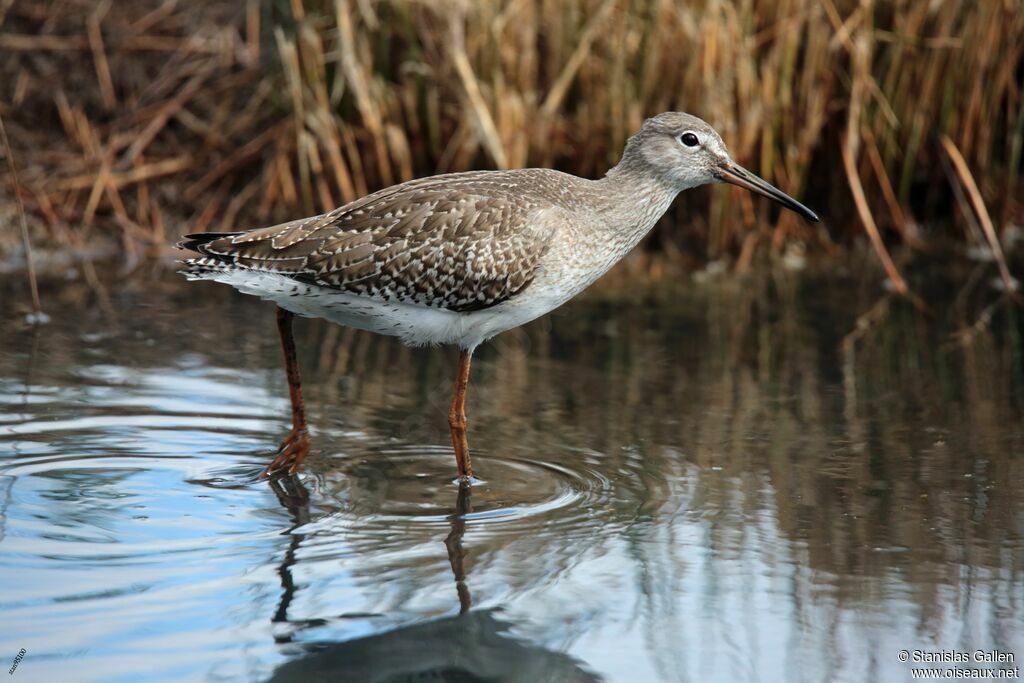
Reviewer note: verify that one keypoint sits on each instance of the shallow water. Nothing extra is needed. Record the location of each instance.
(706, 486)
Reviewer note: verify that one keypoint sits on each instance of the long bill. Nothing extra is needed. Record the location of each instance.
(735, 174)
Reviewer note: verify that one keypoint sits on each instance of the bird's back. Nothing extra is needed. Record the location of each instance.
(459, 242)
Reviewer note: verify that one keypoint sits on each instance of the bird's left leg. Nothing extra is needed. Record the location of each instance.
(295, 446)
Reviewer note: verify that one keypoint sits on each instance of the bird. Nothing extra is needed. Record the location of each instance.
(458, 258)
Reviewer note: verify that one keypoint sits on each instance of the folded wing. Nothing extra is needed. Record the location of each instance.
(457, 242)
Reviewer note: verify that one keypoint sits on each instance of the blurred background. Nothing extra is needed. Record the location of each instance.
(135, 121)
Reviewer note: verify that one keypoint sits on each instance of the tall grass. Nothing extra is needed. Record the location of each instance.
(26, 242)
(141, 119)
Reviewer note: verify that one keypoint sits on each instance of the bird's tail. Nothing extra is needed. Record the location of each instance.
(197, 240)
(206, 264)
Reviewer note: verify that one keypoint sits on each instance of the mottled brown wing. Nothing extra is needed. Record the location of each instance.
(458, 242)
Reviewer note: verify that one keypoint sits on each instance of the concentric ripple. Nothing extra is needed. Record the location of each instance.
(415, 485)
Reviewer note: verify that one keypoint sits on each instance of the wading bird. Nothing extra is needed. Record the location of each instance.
(459, 258)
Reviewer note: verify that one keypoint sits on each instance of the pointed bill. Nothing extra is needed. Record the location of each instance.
(735, 174)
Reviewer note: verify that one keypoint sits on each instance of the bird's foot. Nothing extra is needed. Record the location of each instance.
(290, 454)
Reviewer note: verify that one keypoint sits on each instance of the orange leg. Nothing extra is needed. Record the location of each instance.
(457, 417)
(295, 446)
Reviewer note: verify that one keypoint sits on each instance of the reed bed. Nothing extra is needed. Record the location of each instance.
(135, 121)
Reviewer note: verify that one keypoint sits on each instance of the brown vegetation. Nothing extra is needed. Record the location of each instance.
(135, 121)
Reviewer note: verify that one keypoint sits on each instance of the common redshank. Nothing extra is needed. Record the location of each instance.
(459, 258)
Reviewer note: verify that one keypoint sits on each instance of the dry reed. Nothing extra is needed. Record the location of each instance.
(26, 242)
(137, 121)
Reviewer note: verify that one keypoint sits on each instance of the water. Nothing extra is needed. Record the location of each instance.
(703, 486)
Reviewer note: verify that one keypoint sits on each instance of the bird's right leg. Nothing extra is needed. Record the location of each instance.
(295, 446)
(457, 417)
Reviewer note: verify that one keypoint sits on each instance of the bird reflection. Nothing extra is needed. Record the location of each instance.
(453, 543)
(470, 646)
(294, 497)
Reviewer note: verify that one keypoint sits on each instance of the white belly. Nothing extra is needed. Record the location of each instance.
(413, 324)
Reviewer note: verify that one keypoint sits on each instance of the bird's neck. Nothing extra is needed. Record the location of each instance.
(633, 201)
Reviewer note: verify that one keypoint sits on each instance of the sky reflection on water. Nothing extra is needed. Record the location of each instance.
(702, 488)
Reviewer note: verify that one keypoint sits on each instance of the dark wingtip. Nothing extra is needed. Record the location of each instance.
(196, 240)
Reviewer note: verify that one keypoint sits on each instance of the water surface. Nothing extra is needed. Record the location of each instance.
(708, 485)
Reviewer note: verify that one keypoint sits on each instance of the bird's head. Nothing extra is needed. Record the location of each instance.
(688, 153)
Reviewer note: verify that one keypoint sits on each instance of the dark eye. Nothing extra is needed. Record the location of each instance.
(689, 139)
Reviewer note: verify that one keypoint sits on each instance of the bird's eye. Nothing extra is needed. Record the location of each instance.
(689, 139)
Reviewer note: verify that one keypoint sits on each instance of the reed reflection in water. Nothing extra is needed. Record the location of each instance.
(710, 486)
